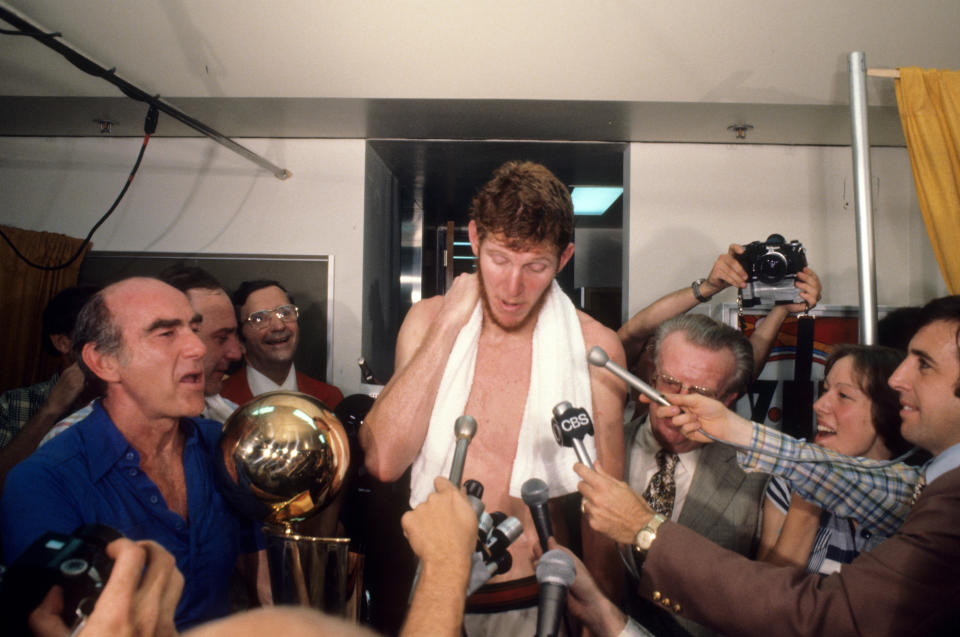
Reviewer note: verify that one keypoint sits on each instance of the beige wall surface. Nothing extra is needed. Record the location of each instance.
(688, 202)
(191, 195)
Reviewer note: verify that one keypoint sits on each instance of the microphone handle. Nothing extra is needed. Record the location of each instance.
(582, 454)
(459, 457)
(541, 521)
(552, 601)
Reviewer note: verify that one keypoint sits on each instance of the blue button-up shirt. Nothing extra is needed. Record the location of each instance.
(90, 473)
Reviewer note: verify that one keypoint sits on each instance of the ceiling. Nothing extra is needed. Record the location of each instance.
(429, 80)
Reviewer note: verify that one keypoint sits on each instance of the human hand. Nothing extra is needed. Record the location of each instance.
(691, 413)
(808, 283)
(726, 271)
(442, 530)
(610, 506)
(136, 601)
(67, 390)
(460, 299)
(588, 603)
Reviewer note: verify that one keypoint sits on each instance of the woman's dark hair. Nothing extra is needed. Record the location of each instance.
(873, 365)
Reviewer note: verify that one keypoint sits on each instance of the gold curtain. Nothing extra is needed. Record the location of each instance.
(24, 292)
(929, 104)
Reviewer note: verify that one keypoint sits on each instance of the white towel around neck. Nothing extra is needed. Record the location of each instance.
(559, 372)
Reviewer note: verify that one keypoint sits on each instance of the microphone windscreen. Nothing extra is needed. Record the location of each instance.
(597, 356)
(534, 491)
(556, 567)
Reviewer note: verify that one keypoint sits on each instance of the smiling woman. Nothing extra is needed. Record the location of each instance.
(857, 415)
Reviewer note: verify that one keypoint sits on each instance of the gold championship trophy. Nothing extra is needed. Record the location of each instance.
(285, 457)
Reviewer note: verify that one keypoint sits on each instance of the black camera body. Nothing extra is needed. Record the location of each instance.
(772, 268)
(77, 562)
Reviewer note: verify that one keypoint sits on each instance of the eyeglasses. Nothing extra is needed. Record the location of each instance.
(261, 318)
(675, 386)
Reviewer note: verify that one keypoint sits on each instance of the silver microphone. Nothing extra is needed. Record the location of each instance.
(464, 429)
(599, 358)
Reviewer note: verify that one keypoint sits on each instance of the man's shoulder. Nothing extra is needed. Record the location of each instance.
(597, 334)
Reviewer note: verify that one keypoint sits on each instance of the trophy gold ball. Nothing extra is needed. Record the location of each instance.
(285, 456)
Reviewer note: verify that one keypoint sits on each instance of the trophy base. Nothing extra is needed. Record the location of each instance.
(319, 572)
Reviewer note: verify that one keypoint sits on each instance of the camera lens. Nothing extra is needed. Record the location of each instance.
(773, 267)
(74, 566)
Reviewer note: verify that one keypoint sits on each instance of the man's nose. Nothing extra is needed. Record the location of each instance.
(515, 282)
(232, 350)
(194, 347)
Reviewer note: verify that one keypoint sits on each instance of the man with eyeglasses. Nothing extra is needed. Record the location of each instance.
(700, 487)
(269, 334)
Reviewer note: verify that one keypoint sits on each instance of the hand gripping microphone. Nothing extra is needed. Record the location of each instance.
(555, 574)
(464, 429)
(599, 358)
(570, 426)
(535, 494)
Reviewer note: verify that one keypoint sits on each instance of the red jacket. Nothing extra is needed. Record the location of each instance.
(237, 389)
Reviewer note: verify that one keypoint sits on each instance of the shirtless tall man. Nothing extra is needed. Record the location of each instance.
(520, 230)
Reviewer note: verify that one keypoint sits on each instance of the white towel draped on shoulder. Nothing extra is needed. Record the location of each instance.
(559, 373)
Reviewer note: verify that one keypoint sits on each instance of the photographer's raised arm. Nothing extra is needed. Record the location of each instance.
(394, 430)
(640, 327)
(765, 333)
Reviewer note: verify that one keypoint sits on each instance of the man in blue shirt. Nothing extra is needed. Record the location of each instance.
(140, 462)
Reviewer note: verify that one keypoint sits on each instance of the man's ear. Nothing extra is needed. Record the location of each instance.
(474, 237)
(565, 256)
(729, 399)
(104, 366)
(61, 342)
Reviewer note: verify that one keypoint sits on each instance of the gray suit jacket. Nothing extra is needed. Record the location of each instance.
(724, 504)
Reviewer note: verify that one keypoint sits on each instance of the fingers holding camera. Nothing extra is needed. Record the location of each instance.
(140, 596)
(45, 619)
(810, 289)
(726, 271)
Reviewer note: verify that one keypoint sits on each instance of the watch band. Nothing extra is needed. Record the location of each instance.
(695, 286)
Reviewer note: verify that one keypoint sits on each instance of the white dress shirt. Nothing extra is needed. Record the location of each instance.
(643, 464)
(260, 384)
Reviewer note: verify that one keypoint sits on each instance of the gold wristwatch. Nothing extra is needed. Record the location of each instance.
(645, 537)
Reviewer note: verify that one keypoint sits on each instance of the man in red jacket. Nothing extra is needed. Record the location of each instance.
(269, 333)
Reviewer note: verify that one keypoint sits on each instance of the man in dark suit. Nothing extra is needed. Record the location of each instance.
(909, 584)
(701, 487)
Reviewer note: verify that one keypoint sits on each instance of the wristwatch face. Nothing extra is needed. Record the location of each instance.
(645, 538)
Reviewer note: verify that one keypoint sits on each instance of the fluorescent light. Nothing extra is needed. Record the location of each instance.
(593, 200)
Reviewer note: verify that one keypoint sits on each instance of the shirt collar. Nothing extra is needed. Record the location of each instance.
(108, 446)
(260, 384)
(949, 459)
(688, 459)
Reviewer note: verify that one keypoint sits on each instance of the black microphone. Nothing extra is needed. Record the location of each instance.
(502, 537)
(570, 426)
(535, 494)
(555, 574)
(464, 428)
(473, 487)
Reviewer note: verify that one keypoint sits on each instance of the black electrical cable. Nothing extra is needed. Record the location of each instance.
(149, 126)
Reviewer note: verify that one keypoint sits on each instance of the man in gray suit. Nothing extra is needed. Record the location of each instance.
(700, 487)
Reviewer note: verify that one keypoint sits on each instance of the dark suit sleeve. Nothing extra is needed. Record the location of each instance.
(909, 584)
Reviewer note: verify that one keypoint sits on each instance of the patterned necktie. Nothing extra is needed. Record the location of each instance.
(918, 488)
(662, 490)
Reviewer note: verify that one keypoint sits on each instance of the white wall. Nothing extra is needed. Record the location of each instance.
(688, 202)
(191, 195)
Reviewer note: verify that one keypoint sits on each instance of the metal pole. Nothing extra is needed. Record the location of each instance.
(91, 66)
(863, 192)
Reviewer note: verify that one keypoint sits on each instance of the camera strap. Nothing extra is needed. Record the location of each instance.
(798, 394)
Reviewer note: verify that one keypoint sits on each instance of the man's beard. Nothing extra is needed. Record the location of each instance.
(531, 315)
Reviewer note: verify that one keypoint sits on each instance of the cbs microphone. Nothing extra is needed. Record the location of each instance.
(555, 574)
(535, 494)
(570, 426)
